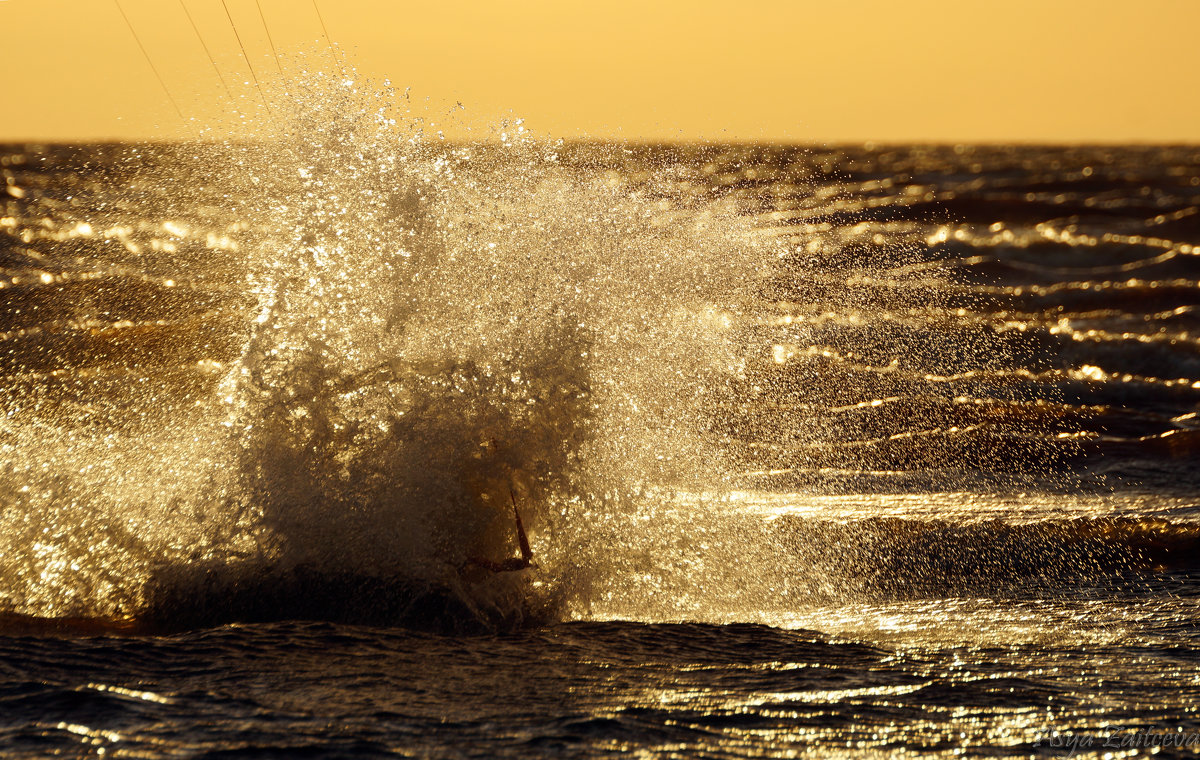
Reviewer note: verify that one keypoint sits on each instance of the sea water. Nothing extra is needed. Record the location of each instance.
(819, 451)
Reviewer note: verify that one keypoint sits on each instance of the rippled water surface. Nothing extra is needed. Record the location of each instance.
(819, 451)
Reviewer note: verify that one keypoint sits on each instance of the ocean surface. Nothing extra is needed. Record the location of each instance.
(825, 451)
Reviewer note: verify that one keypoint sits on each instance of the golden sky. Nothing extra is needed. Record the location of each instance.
(807, 71)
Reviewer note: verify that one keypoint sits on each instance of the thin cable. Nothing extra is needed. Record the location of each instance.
(325, 30)
(249, 65)
(267, 29)
(207, 52)
(162, 82)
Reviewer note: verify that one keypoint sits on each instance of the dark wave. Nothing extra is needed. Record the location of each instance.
(185, 599)
(899, 557)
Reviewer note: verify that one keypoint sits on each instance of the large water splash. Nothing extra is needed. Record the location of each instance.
(427, 334)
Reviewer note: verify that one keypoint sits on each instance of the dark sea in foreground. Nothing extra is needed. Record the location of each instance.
(821, 451)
